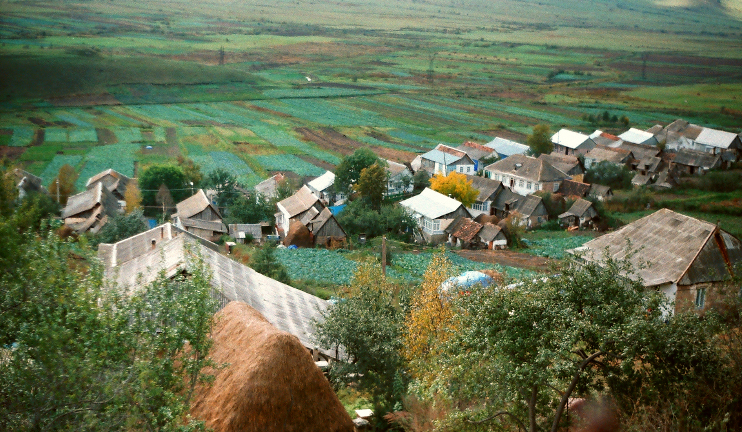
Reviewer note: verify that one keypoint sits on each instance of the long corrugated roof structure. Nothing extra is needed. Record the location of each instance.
(134, 262)
(670, 243)
(716, 138)
(568, 138)
(696, 158)
(506, 147)
(431, 204)
(636, 136)
(322, 182)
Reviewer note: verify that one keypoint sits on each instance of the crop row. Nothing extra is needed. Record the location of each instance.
(119, 157)
(316, 92)
(288, 162)
(22, 136)
(379, 143)
(280, 138)
(52, 169)
(228, 161)
(555, 247)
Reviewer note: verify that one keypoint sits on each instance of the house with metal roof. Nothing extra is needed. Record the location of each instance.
(137, 261)
(492, 237)
(443, 160)
(636, 136)
(302, 206)
(530, 208)
(199, 216)
(505, 147)
(476, 152)
(526, 174)
(569, 165)
(488, 189)
(582, 214)
(268, 188)
(688, 161)
(570, 142)
(687, 259)
(462, 232)
(322, 186)
(681, 134)
(399, 179)
(89, 211)
(433, 212)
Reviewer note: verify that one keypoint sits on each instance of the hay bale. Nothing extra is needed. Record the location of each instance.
(298, 235)
(270, 384)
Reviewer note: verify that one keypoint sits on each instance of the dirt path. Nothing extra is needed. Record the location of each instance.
(509, 258)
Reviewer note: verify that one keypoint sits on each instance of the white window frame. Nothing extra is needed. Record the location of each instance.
(700, 298)
(528, 185)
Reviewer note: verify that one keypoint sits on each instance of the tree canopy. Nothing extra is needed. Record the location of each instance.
(63, 185)
(609, 174)
(540, 140)
(455, 185)
(264, 262)
(348, 171)
(420, 180)
(155, 176)
(372, 185)
(360, 218)
(225, 185)
(121, 227)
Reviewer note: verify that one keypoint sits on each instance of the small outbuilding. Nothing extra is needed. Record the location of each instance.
(582, 214)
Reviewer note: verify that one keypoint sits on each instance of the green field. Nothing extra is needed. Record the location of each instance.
(258, 80)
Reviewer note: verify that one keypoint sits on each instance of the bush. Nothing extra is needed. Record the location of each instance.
(609, 174)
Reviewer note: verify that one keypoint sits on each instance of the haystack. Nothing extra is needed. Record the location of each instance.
(298, 235)
(270, 384)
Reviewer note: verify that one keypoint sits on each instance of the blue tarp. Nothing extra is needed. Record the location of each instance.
(335, 210)
(152, 223)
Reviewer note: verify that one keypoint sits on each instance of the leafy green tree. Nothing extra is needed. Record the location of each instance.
(609, 174)
(359, 217)
(348, 171)
(8, 190)
(171, 176)
(540, 140)
(121, 227)
(244, 210)
(82, 356)
(264, 262)
(420, 180)
(33, 210)
(372, 185)
(368, 324)
(588, 330)
(225, 185)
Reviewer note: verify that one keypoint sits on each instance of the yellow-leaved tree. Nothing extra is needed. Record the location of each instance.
(455, 185)
(430, 320)
(133, 197)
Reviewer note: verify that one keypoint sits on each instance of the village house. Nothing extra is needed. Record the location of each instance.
(444, 160)
(492, 237)
(688, 161)
(488, 190)
(89, 211)
(326, 230)
(197, 215)
(569, 165)
(582, 214)
(322, 187)
(115, 182)
(268, 188)
(302, 206)
(530, 208)
(27, 183)
(399, 179)
(433, 212)
(571, 143)
(574, 189)
(605, 139)
(683, 135)
(600, 192)
(506, 148)
(137, 261)
(636, 136)
(244, 232)
(462, 232)
(616, 156)
(687, 259)
(476, 152)
(525, 174)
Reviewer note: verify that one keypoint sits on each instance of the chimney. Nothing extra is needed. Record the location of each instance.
(154, 242)
(518, 165)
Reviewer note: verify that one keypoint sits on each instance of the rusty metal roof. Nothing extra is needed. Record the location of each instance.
(467, 230)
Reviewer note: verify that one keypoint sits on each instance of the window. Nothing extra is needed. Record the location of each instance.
(461, 168)
(556, 186)
(700, 297)
(520, 183)
(431, 226)
(468, 169)
(528, 185)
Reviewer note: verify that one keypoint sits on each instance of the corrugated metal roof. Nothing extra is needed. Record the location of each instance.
(636, 136)
(607, 154)
(528, 206)
(564, 163)
(569, 139)
(490, 232)
(486, 186)
(530, 168)
(322, 182)
(666, 240)
(431, 204)
(507, 147)
(443, 158)
(475, 151)
(716, 138)
(696, 158)
(285, 307)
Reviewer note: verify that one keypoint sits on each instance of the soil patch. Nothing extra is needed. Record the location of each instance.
(84, 100)
(106, 136)
(509, 258)
(38, 137)
(330, 139)
(11, 152)
(171, 136)
(318, 162)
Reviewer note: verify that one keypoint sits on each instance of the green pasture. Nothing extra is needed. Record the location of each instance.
(699, 97)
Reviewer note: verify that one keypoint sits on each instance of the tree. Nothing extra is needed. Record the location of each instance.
(244, 210)
(368, 324)
(264, 262)
(486, 161)
(348, 171)
(191, 171)
(420, 180)
(121, 227)
(164, 199)
(540, 140)
(284, 189)
(372, 185)
(8, 189)
(609, 174)
(225, 185)
(171, 176)
(358, 217)
(63, 186)
(455, 185)
(589, 329)
(33, 210)
(133, 197)
(85, 357)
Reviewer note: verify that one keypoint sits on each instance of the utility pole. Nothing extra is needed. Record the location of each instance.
(58, 200)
